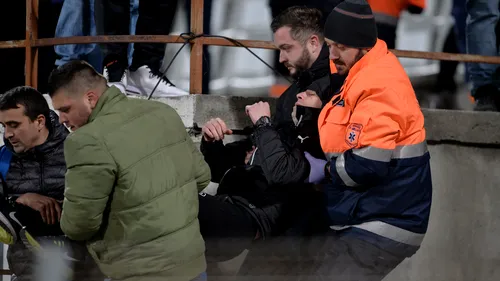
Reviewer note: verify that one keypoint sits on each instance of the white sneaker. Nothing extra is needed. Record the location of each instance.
(143, 81)
(121, 85)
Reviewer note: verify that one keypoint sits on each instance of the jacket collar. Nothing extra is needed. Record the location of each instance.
(378, 51)
(320, 68)
(109, 98)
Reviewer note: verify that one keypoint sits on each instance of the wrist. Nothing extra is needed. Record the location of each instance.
(263, 121)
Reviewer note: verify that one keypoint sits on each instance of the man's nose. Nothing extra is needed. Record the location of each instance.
(334, 55)
(8, 133)
(62, 118)
(282, 57)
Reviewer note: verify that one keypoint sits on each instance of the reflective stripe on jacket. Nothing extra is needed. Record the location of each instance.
(373, 132)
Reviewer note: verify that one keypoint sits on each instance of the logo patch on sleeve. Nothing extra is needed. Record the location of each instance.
(353, 133)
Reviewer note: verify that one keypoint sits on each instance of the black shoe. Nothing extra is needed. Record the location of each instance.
(487, 98)
(9, 223)
(485, 104)
(114, 69)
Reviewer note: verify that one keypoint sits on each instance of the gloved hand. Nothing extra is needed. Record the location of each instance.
(317, 172)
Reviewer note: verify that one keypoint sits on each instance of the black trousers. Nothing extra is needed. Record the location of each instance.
(387, 33)
(447, 69)
(226, 228)
(155, 18)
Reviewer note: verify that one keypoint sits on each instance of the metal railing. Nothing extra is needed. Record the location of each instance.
(32, 43)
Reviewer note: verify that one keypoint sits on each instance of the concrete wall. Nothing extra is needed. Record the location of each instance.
(463, 239)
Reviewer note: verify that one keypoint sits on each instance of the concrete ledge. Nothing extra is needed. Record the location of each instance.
(201, 108)
(462, 126)
(441, 125)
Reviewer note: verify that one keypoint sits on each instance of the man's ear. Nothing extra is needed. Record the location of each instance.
(92, 98)
(315, 43)
(40, 122)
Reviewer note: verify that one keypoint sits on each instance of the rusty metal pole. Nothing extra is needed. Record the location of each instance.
(31, 65)
(196, 59)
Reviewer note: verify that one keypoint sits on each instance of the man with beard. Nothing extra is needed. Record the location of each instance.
(263, 179)
(377, 180)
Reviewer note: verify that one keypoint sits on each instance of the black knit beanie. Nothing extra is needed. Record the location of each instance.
(352, 23)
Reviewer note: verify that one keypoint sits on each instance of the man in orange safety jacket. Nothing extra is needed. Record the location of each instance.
(377, 181)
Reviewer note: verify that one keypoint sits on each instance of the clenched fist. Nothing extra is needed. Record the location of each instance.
(258, 110)
(214, 130)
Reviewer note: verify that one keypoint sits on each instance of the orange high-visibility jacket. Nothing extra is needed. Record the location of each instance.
(388, 11)
(373, 133)
(333, 68)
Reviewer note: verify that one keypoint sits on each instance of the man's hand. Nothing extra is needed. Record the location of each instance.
(258, 110)
(48, 207)
(309, 99)
(214, 130)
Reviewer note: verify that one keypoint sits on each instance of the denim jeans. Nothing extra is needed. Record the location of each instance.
(113, 17)
(77, 19)
(483, 16)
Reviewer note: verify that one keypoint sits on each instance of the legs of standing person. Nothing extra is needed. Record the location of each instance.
(207, 14)
(482, 20)
(134, 15)
(112, 18)
(155, 18)
(459, 13)
(387, 33)
(77, 19)
(444, 90)
(95, 56)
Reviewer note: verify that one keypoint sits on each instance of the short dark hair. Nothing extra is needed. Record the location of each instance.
(77, 75)
(33, 101)
(302, 21)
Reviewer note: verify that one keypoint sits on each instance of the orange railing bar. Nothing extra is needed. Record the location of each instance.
(222, 42)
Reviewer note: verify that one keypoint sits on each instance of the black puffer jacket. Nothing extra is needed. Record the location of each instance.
(280, 154)
(41, 169)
